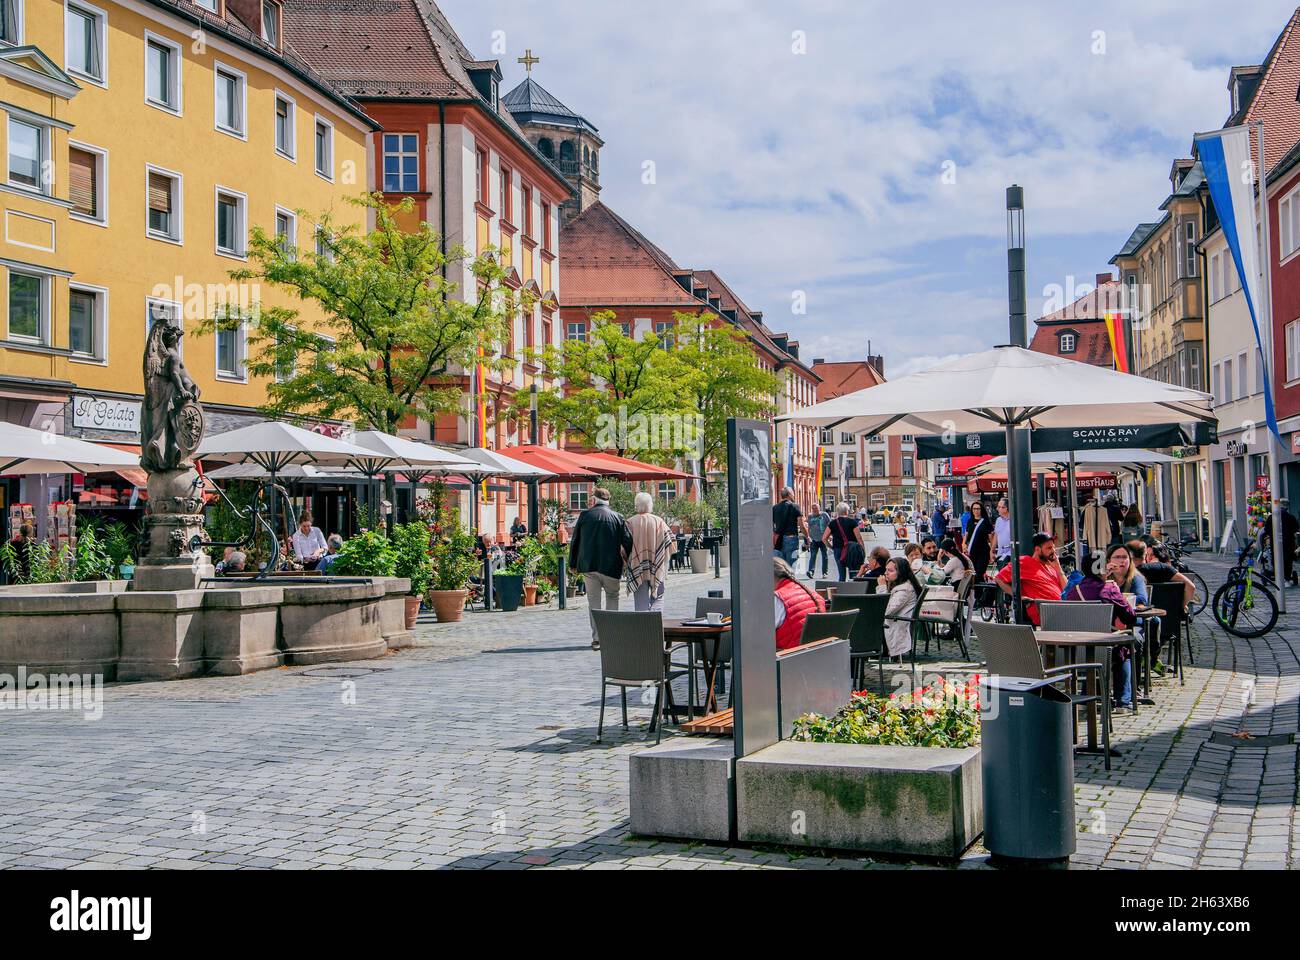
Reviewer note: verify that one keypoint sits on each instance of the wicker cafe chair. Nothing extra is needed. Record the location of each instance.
(827, 626)
(867, 639)
(1010, 650)
(1081, 616)
(632, 654)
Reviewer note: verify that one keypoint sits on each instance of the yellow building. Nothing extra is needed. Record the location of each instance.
(144, 138)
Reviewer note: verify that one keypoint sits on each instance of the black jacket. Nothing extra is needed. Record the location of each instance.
(598, 537)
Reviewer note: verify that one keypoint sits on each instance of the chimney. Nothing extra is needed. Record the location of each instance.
(819, 361)
(1104, 278)
(876, 363)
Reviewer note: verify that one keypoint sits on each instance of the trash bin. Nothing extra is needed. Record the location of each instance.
(1027, 766)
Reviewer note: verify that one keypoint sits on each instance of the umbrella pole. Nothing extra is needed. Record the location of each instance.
(1013, 474)
(1074, 508)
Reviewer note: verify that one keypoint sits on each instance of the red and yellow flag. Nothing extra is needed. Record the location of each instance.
(821, 467)
(1118, 345)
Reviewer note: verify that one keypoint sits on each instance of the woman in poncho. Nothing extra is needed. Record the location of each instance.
(647, 565)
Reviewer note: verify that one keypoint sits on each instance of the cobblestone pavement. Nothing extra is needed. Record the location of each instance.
(477, 750)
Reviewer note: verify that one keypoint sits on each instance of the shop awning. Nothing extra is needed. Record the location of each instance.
(573, 466)
(563, 466)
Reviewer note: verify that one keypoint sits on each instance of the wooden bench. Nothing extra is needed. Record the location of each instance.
(715, 725)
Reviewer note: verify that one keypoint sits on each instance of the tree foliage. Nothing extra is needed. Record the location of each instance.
(394, 327)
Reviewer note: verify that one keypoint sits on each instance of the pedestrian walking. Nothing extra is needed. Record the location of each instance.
(647, 562)
(819, 525)
(787, 522)
(601, 541)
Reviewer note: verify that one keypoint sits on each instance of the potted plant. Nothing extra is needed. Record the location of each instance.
(508, 585)
(120, 541)
(454, 566)
(414, 563)
(532, 556)
(368, 554)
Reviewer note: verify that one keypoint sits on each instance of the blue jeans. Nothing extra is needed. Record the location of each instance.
(818, 547)
(789, 548)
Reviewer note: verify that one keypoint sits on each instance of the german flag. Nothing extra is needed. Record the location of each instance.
(1118, 345)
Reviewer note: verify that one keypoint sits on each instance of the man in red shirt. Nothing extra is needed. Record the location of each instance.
(1041, 576)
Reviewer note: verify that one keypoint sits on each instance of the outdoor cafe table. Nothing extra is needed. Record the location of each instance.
(691, 632)
(1070, 642)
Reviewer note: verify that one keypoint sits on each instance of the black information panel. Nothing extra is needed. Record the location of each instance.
(753, 619)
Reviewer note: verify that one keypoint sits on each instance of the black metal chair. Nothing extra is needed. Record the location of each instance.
(867, 639)
(827, 626)
(633, 654)
(913, 618)
(1011, 650)
(855, 588)
(1175, 625)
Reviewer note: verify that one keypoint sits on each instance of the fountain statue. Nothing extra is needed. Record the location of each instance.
(171, 428)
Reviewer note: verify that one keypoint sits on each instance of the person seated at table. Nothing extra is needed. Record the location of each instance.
(309, 544)
(930, 550)
(1041, 576)
(1120, 571)
(1156, 568)
(793, 602)
(955, 563)
(904, 589)
(332, 547)
(1120, 558)
(236, 561)
(1090, 584)
(518, 530)
(912, 552)
(874, 568)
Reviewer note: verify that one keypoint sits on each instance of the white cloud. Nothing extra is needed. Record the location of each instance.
(822, 172)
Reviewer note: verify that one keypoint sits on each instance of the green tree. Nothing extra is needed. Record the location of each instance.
(609, 378)
(393, 326)
(717, 376)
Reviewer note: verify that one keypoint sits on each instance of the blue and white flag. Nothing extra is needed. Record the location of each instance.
(1230, 175)
(789, 461)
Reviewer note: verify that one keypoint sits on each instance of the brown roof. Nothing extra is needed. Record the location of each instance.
(1093, 344)
(606, 262)
(841, 378)
(1104, 298)
(1275, 100)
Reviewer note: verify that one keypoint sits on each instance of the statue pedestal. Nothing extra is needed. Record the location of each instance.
(175, 518)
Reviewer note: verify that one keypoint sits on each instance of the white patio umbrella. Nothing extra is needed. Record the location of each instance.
(24, 451)
(401, 455)
(1009, 387)
(295, 471)
(1006, 386)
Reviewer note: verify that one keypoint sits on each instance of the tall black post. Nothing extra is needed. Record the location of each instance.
(1020, 492)
(534, 519)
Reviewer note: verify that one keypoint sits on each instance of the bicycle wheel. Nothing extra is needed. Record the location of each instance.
(1245, 614)
(1202, 595)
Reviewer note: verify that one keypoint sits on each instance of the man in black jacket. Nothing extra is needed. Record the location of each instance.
(601, 541)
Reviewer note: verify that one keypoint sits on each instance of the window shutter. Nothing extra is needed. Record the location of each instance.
(160, 193)
(81, 182)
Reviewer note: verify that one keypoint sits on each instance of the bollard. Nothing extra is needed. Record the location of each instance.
(562, 581)
(489, 601)
(717, 562)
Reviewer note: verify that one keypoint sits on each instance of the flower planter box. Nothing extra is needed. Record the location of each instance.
(905, 801)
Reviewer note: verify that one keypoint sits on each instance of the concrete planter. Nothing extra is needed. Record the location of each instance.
(332, 624)
(904, 801)
(700, 561)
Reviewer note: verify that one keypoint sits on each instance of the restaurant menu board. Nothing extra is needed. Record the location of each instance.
(753, 624)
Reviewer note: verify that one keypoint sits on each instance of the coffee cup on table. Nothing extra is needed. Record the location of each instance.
(714, 619)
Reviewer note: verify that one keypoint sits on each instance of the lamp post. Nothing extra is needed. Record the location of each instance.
(533, 519)
(1019, 483)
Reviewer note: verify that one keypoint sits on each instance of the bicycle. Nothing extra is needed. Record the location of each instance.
(1244, 606)
(1177, 554)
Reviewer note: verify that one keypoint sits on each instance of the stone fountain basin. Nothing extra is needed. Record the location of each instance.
(223, 629)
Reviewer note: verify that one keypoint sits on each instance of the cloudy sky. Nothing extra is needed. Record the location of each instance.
(859, 152)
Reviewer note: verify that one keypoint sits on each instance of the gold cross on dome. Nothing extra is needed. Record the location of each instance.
(529, 61)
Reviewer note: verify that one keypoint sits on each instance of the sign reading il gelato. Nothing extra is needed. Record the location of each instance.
(97, 413)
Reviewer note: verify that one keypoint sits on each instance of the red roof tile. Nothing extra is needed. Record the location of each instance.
(607, 262)
(841, 378)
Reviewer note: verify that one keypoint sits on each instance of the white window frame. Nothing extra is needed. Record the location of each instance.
(292, 155)
(101, 184)
(293, 225)
(1216, 383)
(43, 164)
(241, 253)
(175, 305)
(218, 68)
(100, 334)
(240, 375)
(178, 206)
(1243, 374)
(1292, 333)
(277, 375)
(328, 172)
(20, 11)
(177, 74)
(572, 325)
(401, 152)
(43, 333)
(101, 35)
(1073, 340)
(278, 40)
(1288, 219)
(212, 6)
(1189, 248)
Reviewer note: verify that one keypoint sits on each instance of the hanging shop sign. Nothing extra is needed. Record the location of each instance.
(1053, 439)
(998, 484)
(98, 413)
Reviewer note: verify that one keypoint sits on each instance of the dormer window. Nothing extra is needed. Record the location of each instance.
(271, 23)
(1069, 342)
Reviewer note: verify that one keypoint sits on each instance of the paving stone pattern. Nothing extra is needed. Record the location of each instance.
(477, 750)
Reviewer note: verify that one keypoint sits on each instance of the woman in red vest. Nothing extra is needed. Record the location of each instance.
(794, 602)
